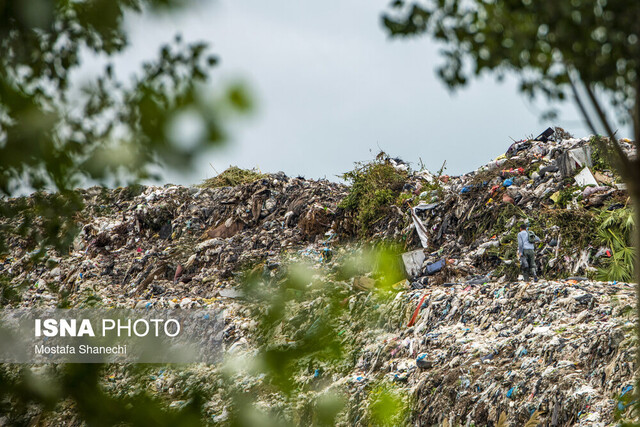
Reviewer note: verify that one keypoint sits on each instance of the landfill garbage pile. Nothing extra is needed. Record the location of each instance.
(467, 224)
(563, 348)
(166, 241)
(173, 243)
(462, 336)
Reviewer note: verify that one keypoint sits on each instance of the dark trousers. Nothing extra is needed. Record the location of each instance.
(528, 264)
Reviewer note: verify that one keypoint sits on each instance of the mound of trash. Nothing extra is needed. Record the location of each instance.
(462, 336)
(564, 191)
(175, 242)
(563, 348)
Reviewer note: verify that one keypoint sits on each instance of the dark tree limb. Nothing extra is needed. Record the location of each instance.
(636, 115)
(580, 104)
(630, 171)
(624, 162)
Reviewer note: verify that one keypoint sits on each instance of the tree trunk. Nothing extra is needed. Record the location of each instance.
(629, 169)
(634, 191)
(635, 201)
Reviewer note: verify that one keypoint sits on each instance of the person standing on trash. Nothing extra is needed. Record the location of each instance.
(526, 252)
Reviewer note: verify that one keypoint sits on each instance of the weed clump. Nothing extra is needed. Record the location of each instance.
(566, 197)
(578, 228)
(374, 187)
(233, 176)
(614, 231)
(599, 156)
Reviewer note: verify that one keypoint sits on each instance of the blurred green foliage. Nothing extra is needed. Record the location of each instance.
(309, 325)
(10, 293)
(389, 405)
(544, 43)
(24, 396)
(55, 135)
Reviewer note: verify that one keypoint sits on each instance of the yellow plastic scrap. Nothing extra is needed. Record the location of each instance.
(402, 284)
(555, 197)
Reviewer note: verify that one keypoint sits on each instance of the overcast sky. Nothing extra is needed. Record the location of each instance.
(331, 88)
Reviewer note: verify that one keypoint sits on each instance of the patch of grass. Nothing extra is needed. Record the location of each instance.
(232, 177)
(374, 187)
(492, 220)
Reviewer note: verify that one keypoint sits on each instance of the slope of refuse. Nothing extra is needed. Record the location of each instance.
(174, 242)
(565, 349)
(480, 342)
(562, 190)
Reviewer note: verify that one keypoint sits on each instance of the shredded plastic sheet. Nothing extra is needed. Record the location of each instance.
(420, 228)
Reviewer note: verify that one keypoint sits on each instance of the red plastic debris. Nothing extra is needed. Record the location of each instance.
(415, 313)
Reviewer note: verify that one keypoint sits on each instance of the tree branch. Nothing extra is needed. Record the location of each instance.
(625, 163)
(583, 110)
(636, 115)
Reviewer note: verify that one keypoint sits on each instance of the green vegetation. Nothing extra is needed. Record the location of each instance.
(309, 325)
(374, 187)
(403, 199)
(614, 230)
(576, 229)
(305, 333)
(39, 222)
(55, 136)
(566, 197)
(233, 176)
(599, 155)
(389, 405)
(58, 386)
(9, 293)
